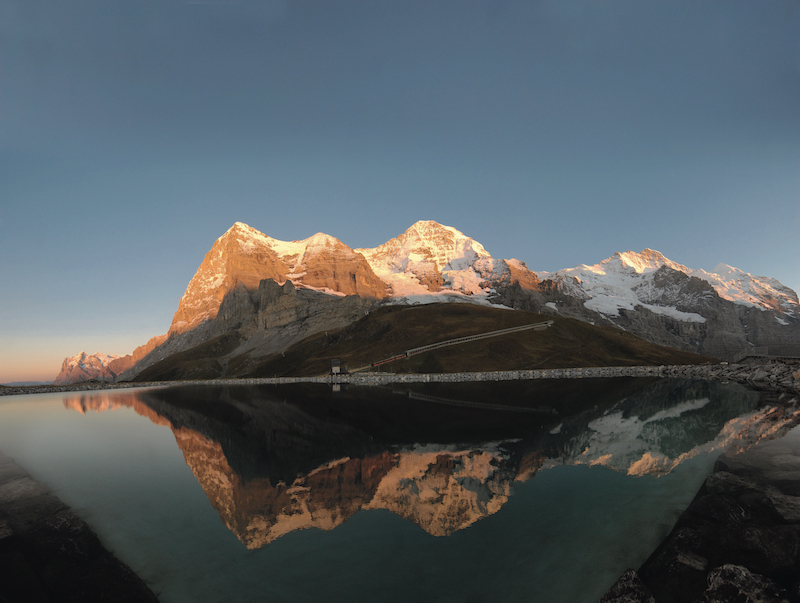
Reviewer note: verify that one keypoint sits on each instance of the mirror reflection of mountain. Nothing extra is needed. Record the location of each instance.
(277, 459)
(652, 431)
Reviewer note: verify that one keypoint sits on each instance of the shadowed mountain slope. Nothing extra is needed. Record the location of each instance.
(391, 330)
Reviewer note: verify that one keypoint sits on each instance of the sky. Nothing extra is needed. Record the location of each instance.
(134, 133)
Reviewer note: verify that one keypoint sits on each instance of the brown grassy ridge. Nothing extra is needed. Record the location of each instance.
(391, 330)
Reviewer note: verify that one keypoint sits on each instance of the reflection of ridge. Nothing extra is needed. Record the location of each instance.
(258, 512)
(482, 405)
(445, 491)
(102, 401)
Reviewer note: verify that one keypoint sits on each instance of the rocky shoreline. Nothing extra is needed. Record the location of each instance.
(49, 554)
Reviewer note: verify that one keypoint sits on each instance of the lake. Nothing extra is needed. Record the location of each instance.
(535, 491)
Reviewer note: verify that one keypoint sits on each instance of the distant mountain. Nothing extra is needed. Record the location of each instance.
(626, 280)
(718, 314)
(262, 295)
(86, 367)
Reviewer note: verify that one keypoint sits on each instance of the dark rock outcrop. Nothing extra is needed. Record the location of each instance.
(262, 321)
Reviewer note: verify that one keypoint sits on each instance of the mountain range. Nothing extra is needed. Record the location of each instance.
(254, 296)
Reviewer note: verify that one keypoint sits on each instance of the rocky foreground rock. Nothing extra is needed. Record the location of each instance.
(48, 553)
(739, 540)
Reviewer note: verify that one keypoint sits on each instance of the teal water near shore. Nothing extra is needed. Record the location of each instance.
(529, 519)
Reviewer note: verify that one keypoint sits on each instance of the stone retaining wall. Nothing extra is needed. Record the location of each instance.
(776, 376)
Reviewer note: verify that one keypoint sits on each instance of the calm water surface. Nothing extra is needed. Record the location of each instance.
(541, 491)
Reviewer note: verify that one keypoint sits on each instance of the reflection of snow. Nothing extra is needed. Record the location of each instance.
(618, 442)
(615, 422)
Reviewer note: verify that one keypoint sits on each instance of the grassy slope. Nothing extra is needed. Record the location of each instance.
(394, 329)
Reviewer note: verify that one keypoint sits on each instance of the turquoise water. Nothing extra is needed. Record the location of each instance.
(565, 533)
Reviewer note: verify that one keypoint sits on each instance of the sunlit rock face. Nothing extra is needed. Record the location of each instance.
(243, 257)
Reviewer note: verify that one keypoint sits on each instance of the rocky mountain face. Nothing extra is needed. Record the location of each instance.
(243, 257)
(251, 324)
(268, 294)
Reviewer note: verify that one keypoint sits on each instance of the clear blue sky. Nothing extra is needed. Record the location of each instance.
(134, 133)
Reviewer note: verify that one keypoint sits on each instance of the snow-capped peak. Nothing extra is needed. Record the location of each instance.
(83, 367)
(725, 269)
(627, 262)
(90, 359)
(619, 282)
(428, 258)
(648, 260)
(444, 243)
(430, 242)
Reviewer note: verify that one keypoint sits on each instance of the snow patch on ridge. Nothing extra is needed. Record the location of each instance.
(741, 287)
